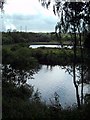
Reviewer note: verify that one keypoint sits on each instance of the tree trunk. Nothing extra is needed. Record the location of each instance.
(81, 70)
(74, 62)
(74, 74)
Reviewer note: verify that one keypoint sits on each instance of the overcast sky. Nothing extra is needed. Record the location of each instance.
(28, 15)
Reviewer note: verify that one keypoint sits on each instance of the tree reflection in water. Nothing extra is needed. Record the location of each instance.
(17, 76)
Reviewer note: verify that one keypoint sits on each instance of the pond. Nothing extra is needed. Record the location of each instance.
(54, 79)
(51, 46)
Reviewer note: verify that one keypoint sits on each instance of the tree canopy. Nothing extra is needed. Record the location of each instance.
(70, 14)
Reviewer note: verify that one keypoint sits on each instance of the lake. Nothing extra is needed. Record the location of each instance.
(51, 46)
(49, 80)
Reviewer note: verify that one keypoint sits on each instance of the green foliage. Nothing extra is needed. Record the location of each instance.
(22, 37)
(87, 41)
(19, 103)
(33, 38)
(22, 57)
(7, 39)
(53, 56)
(6, 55)
(19, 57)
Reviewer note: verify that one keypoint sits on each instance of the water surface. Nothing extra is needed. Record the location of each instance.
(54, 79)
(51, 46)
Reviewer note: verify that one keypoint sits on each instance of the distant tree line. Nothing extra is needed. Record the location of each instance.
(31, 37)
(19, 37)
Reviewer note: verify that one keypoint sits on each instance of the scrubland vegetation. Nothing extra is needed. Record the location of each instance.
(21, 101)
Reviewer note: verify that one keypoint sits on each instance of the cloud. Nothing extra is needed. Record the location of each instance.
(33, 22)
(28, 14)
(27, 7)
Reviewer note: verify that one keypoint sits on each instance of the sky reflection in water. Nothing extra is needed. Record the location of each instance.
(54, 79)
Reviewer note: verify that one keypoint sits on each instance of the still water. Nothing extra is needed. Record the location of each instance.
(54, 79)
(51, 46)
